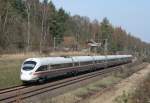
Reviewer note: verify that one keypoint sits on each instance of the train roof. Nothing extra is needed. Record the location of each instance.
(61, 60)
(50, 60)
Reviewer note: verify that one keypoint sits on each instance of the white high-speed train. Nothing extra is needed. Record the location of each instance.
(39, 69)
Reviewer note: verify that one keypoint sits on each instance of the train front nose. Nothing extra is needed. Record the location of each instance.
(27, 71)
(26, 76)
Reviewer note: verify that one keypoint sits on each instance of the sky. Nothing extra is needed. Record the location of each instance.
(131, 15)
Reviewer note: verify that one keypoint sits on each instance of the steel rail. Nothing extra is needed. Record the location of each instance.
(10, 89)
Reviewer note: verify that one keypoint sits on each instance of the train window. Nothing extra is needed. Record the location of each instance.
(42, 68)
(86, 63)
(29, 65)
(100, 61)
(76, 64)
(67, 65)
(96, 61)
(30, 62)
(58, 66)
(110, 60)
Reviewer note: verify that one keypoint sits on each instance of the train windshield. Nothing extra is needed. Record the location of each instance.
(29, 65)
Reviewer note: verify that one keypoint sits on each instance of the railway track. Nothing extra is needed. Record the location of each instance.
(10, 89)
(23, 92)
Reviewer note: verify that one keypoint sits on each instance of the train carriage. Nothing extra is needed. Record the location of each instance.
(37, 69)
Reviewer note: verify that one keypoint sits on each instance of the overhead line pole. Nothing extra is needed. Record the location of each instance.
(106, 50)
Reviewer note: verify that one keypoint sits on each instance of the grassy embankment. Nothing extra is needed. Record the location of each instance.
(80, 94)
(10, 71)
(140, 95)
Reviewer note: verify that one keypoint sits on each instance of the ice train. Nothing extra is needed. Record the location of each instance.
(39, 69)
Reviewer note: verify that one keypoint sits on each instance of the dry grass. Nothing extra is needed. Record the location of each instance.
(75, 53)
(96, 87)
(82, 93)
(142, 93)
(18, 56)
(37, 54)
(10, 72)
